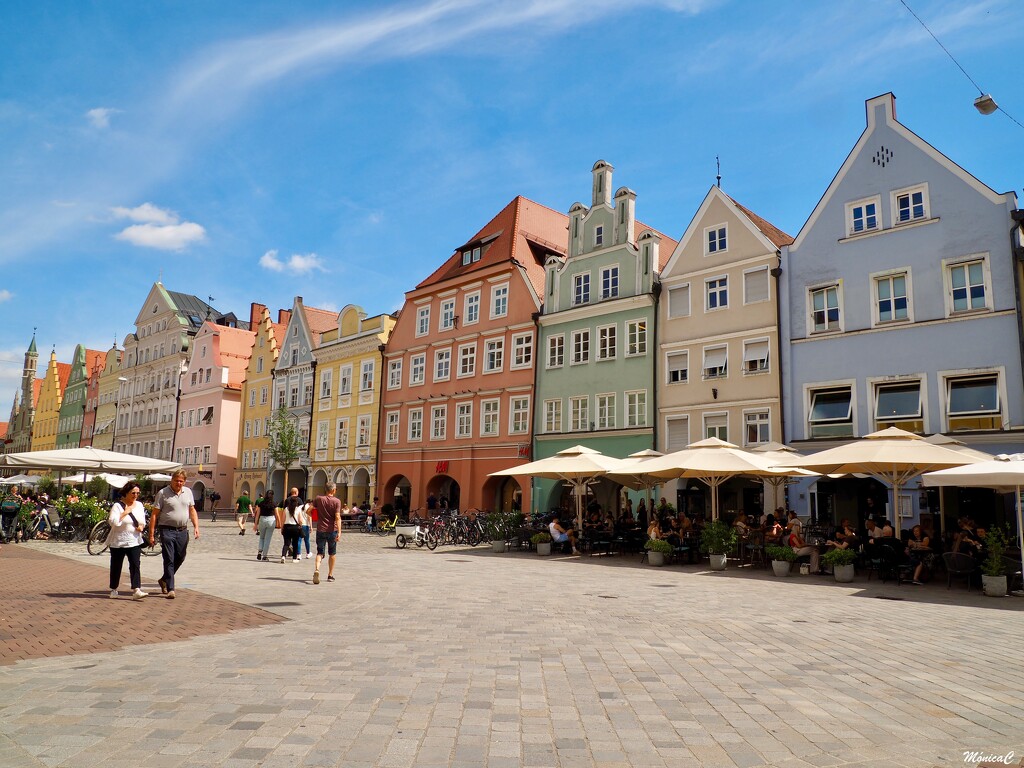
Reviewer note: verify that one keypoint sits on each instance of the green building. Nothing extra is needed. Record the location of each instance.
(72, 406)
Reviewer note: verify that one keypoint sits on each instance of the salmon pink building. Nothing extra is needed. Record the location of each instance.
(209, 411)
(457, 400)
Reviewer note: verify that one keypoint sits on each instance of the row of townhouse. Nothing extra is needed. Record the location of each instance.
(897, 303)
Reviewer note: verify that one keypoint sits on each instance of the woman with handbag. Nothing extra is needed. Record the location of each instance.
(127, 523)
(291, 528)
(265, 524)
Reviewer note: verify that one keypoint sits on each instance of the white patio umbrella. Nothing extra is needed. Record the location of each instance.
(892, 456)
(159, 477)
(946, 441)
(20, 480)
(1003, 471)
(634, 475)
(712, 461)
(87, 458)
(116, 481)
(779, 454)
(578, 466)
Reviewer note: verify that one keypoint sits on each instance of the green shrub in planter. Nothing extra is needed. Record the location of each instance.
(780, 554)
(717, 538)
(837, 557)
(540, 538)
(995, 540)
(658, 545)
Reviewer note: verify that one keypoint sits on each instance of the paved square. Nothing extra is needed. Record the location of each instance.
(461, 657)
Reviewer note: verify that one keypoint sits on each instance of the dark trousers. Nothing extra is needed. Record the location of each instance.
(175, 544)
(117, 556)
(291, 535)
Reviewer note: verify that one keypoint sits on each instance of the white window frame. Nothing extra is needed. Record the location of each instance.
(248, 429)
(464, 420)
(522, 350)
(264, 393)
(604, 410)
(875, 387)
(636, 342)
(580, 289)
(607, 342)
(417, 369)
(717, 416)
(556, 351)
(851, 208)
(718, 371)
(579, 413)
(467, 360)
(322, 435)
(747, 275)
(599, 236)
(948, 266)
(439, 422)
(580, 339)
(825, 387)
(499, 300)
(610, 282)
(341, 432)
(422, 320)
(471, 309)
(494, 355)
(252, 397)
(395, 374)
(764, 364)
(490, 417)
(443, 364)
(894, 203)
(553, 415)
(676, 306)
(345, 380)
(717, 286)
(367, 374)
(446, 320)
(519, 415)
(326, 383)
(890, 275)
(635, 415)
(764, 419)
(670, 368)
(393, 426)
(415, 425)
(716, 239)
(948, 378)
(837, 286)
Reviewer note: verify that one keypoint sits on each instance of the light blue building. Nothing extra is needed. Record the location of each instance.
(900, 307)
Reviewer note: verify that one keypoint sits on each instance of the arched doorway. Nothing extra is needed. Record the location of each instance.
(341, 481)
(602, 494)
(446, 490)
(398, 493)
(318, 485)
(502, 494)
(199, 494)
(359, 488)
(277, 483)
(244, 490)
(260, 490)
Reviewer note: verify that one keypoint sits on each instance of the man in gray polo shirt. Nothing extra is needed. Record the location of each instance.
(173, 508)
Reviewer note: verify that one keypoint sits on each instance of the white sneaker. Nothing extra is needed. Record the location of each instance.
(113, 594)
(138, 594)
(282, 558)
(309, 555)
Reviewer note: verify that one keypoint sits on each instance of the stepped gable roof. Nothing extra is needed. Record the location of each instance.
(319, 321)
(37, 387)
(63, 374)
(235, 350)
(523, 231)
(94, 358)
(194, 309)
(769, 230)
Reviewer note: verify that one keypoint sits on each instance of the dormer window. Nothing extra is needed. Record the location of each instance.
(471, 255)
(598, 236)
(716, 239)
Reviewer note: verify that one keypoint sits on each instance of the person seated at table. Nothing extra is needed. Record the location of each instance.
(627, 508)
(887, 530)
(792, 524)
(772, 530)
(560, 535)
(918, 547)
(801, 547)
(740, 524)
(872, 531)
(654, 529)
(641, 513)
(594, 518)
(683, 524)
(845, 537)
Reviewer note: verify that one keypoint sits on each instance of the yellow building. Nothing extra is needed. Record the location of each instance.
(106, 407)
(44, 429)
(257, 402)
(346, 407)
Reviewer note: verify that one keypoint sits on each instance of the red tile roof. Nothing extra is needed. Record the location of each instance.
(665, 248)
(769, 230)
(523, 231)
(3, 429)
(94, 359)
(319, 321)
(37, 387)
(63, 374)
(235, 350)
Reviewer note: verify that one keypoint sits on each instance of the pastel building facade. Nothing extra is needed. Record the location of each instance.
(596, 339)
(719, 373)
(92, 391)
(257, 403)
(209, 411)
(47, 414)
(347, 404)
(71, 419)
(899, 300)
(458, 394)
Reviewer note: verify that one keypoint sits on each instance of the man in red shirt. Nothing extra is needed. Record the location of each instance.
(328, 527)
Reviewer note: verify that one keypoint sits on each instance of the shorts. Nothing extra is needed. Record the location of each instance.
(328, 539)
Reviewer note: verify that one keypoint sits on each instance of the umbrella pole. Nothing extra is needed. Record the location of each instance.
(1020, 523)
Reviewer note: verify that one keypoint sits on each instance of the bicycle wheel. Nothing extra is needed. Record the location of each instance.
(400, 541)
(473, 537)
(156, 549)
(97, 544)
(420, 539)
(431, 541)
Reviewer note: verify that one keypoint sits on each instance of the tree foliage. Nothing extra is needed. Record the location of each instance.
(285, 441)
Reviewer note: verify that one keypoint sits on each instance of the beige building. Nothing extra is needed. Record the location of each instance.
(718, 342)
(250, 476)
(346, 410)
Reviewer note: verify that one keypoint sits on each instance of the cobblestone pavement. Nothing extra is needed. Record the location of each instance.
(466, 658)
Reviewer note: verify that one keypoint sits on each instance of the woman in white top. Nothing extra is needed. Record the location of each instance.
(127, 523)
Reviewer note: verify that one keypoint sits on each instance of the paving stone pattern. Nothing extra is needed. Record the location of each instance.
(461, 657)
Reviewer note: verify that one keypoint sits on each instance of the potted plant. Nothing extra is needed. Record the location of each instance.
(656, 551)
(842, 561)
(499, 526)
(542, 541)
(993, 569)
(717, 539)
(782, 558)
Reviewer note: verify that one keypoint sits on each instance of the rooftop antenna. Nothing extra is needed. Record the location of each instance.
(209, 308)
(718, 165)
(985, 104)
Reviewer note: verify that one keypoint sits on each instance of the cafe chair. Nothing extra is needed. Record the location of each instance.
(959, 565)
(1014, 575)
(893, 566)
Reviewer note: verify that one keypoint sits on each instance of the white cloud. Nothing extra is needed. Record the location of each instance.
(100, 117)
(297, 263)
(170, 237)
(5, 295)
(158, 228)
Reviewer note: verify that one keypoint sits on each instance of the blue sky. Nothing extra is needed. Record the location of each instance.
(339, 151)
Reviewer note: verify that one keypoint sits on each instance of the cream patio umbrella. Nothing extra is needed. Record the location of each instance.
(892, 456)
(1003, 471)
(578, 466)
(712, 461)
(87, 458)
(781, 455)
(633, 473)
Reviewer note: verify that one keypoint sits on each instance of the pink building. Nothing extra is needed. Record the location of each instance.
(209, 411)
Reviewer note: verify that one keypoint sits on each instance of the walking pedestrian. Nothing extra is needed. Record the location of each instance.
(328, 528)
(264, 524)
(173, 508)
(127, 526)
(291, 529)
(243, 506)
(304, 534)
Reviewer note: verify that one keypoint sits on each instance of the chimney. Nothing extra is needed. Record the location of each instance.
(255, 315)
(625, 210)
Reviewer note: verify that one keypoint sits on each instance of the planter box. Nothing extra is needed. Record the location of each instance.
(843, 573)
(780, 567)
(498, 546)
(717, 562)
(655, 558)
(994, 586)
(544, 548)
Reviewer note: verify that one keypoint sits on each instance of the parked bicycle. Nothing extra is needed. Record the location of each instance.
(386, 527)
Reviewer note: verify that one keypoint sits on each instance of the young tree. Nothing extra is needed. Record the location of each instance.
(285, 442)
